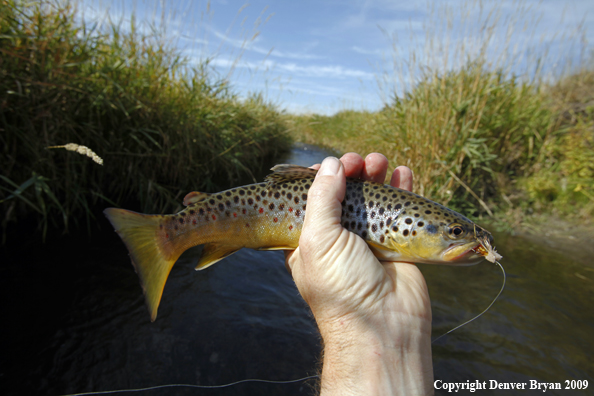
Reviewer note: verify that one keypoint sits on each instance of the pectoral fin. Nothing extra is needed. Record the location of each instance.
(213, 253)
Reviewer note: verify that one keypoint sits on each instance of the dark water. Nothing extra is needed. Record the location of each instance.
(73, 320)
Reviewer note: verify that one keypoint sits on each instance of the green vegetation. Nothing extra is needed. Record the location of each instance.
(479, 138)
(162, 127)
(480, 142)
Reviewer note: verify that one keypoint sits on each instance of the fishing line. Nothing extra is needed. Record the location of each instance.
(477, 316)
(191, 386)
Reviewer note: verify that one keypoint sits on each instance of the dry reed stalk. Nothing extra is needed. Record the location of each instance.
(84, 150)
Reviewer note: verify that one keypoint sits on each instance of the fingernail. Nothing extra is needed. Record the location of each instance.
(329, 167)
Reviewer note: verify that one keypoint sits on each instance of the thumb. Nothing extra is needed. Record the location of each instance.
(322, 225)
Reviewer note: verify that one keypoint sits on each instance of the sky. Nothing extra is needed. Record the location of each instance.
(327, 56)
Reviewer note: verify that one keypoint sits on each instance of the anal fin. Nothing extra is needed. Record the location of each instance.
(213, 253)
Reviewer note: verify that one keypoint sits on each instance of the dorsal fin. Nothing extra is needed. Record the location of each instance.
(194, 197)
(283, 173)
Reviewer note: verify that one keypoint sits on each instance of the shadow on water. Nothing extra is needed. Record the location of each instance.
(74, 320)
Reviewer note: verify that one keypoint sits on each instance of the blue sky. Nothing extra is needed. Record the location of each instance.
(327, 56)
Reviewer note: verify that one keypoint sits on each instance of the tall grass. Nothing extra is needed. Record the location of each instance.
(481, 122)
(162, 126)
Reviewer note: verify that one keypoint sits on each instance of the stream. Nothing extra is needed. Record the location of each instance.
(74, 320)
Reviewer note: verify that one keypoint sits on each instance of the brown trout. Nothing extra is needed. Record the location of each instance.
(396, 224)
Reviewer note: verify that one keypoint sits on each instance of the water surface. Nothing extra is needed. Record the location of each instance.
(74, 320)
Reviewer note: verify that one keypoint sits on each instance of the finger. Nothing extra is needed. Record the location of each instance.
(324, 210)
(288, 254)
(353, 165)
(402, 178)
(375, 168)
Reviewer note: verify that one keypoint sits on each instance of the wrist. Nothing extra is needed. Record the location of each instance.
(371, 357)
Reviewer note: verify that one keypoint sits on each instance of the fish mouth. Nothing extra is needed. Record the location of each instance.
(469, 253)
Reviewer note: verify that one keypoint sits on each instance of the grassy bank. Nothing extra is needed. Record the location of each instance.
(163, 127)
(496, 126)
(480, 142)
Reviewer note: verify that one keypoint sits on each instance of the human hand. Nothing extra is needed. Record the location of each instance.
(374, 317)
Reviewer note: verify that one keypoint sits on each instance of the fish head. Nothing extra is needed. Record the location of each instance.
(457, 242)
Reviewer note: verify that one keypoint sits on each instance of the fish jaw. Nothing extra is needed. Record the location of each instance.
(469, 253)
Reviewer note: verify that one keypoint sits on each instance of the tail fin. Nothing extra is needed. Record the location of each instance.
(151, 254)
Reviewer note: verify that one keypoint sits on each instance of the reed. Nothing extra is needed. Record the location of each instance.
(163, 127)
(487, 130)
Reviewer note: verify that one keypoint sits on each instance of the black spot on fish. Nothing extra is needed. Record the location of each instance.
(398, 206)
(405, 232)
(307, 186)
(382, 239)
(351, 208)
(250, 201)
(304, 197)
(377, 196)
(277, 195)
(417, 215)
(374, 227)
(263, 193)
(395, 229)
(381, 211)
(420, 224)
(428, 212)
(211, 201)
(297, 213)
(415, 208)
(228, 203)
(228, 193)
(271, 206)
(201, 211)
(414, 233)
(252, 188)
(372, 215)
(431, 229)
(364, 234)
(221, 207)
(359, 226)
(408, 220)
(389, 206)
(296, 200)
(407, 203)
(181, 221)
(219, 197)
(236, 199)
(296, 188)
(289, 196)
(258, 198)
(241, 192)
(192, 212)
(371, 204)
(388, 221)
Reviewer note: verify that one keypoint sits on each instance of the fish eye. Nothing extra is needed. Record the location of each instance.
(456, 231)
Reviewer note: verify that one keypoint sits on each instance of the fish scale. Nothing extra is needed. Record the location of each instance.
(396, 224)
